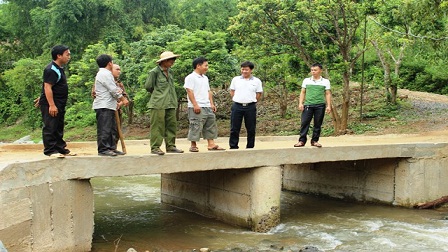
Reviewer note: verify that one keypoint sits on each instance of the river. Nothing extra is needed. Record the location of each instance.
(129, 214)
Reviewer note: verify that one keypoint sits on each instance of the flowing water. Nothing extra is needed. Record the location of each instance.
(129, 214)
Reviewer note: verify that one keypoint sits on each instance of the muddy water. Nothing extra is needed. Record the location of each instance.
(128, 213)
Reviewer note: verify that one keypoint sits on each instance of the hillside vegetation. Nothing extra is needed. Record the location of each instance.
(416, 112)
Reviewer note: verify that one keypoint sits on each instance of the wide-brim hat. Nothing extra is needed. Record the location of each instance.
(167, 55)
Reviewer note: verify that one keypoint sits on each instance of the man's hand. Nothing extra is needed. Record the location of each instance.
(53, 110)
(196, 109)
(36, 102)
(301, 107)
(124, 101)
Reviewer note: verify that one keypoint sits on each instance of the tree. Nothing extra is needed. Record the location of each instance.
(395, 27)
(210, 15)
(317, 31)
(24, 83)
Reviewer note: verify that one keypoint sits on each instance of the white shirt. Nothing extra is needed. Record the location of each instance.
(246, 89)
(201, 87)
(107, 91)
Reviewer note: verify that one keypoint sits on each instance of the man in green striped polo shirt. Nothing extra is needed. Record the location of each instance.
(314, 102)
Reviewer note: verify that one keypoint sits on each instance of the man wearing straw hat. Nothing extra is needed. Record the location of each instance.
(162, 105)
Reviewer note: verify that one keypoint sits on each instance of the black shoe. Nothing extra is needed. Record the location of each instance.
(174, 150)
(157, 152)
(118, 152)
(107, 153)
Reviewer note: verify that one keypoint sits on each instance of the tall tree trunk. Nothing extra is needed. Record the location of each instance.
(397, 61)
(130, 112)
(283, 100)
(386, 69)
(345, 103)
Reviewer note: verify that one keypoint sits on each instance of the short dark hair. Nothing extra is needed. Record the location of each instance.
(248, 64)
(199, 61)
(103, 60)
(58, 50)
(317, 65)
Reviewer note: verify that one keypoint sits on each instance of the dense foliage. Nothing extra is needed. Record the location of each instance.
(402, 42)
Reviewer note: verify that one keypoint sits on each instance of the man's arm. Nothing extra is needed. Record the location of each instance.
(150, 81)
(196, 107)
(302, 98)
(258, 96)
(210, 97)
(53, 110)
(232, 93)
(328, 100)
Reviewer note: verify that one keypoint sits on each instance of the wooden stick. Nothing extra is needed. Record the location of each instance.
(120, 134)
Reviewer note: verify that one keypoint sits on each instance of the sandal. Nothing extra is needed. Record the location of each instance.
(57, 155)
(215, 148)
(194, 149)
(316, 144)
(299, 144)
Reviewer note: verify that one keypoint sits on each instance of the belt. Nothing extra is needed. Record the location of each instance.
(244, 104)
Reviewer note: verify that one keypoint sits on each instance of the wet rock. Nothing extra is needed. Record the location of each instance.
(310, 249)
(131, 250)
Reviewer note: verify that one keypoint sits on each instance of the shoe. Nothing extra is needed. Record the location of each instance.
(174, 150)
(107, 153)
(316, 144)
(300, 144)
(118, 152)
(57, 155)
(68, 153)
(157, 152)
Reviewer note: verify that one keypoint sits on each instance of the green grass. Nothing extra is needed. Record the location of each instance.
(15, 132)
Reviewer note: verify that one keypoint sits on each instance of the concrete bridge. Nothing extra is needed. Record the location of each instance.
(47, 204)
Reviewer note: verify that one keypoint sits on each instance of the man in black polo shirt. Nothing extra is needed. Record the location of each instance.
(52, 103)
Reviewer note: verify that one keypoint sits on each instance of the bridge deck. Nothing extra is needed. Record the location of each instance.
(269, 151)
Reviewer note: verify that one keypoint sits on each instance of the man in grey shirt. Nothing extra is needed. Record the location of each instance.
(105, 103)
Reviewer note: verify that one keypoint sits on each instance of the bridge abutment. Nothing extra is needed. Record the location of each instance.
(244, 197)
(48, 217)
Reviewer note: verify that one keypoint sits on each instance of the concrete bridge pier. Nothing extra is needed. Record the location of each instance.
(47, 217)
(244, 197)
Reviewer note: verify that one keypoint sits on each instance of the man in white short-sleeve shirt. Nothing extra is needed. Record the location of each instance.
(245, 91)
(201, 109)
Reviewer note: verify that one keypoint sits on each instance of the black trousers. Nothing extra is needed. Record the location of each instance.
(249, 114)
(106, 130)
(309, 112)
(53, 131)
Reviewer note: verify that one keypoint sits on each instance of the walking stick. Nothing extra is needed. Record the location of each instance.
(120, 134)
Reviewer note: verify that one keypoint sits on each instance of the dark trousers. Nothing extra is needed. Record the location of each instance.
(53, 131)
(106, 130)
(310, 111)
(249, 114)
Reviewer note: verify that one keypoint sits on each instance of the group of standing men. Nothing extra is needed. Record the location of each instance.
(109, 96)
(245, 90)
